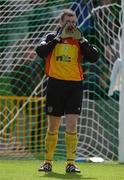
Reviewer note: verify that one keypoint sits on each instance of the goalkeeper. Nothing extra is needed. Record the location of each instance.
(63, 53)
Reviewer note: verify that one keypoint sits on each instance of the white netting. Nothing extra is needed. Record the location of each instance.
(99, 118)
(23, 125)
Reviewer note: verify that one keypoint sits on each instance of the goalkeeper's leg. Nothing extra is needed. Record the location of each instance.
(71, 140)
(50, 142)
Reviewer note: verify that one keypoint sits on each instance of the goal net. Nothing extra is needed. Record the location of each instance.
(23, 121)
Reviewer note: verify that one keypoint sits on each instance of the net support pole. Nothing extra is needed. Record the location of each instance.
(121, 112)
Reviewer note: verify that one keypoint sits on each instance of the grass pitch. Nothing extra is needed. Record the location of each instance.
(27, 170)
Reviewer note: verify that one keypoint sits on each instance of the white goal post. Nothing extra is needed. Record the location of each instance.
(121, 114)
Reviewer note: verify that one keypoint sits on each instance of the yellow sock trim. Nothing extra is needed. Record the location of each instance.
(50, 142)
(71, 145)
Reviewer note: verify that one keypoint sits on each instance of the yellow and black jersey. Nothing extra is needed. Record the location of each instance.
(63, 58)
(64, 61)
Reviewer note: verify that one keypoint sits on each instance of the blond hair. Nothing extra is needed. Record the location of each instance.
(66, 12)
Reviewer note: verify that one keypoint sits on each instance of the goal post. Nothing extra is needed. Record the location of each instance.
(121, 114)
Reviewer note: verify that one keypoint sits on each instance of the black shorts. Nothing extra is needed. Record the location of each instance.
(63, 97)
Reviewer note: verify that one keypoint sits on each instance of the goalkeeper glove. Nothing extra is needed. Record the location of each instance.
(79, 35)
(73, 33)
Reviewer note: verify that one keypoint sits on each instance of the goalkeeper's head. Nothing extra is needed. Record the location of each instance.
(68, 18)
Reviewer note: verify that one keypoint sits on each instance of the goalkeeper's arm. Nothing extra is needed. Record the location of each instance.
(89, 51)
(47, 45)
